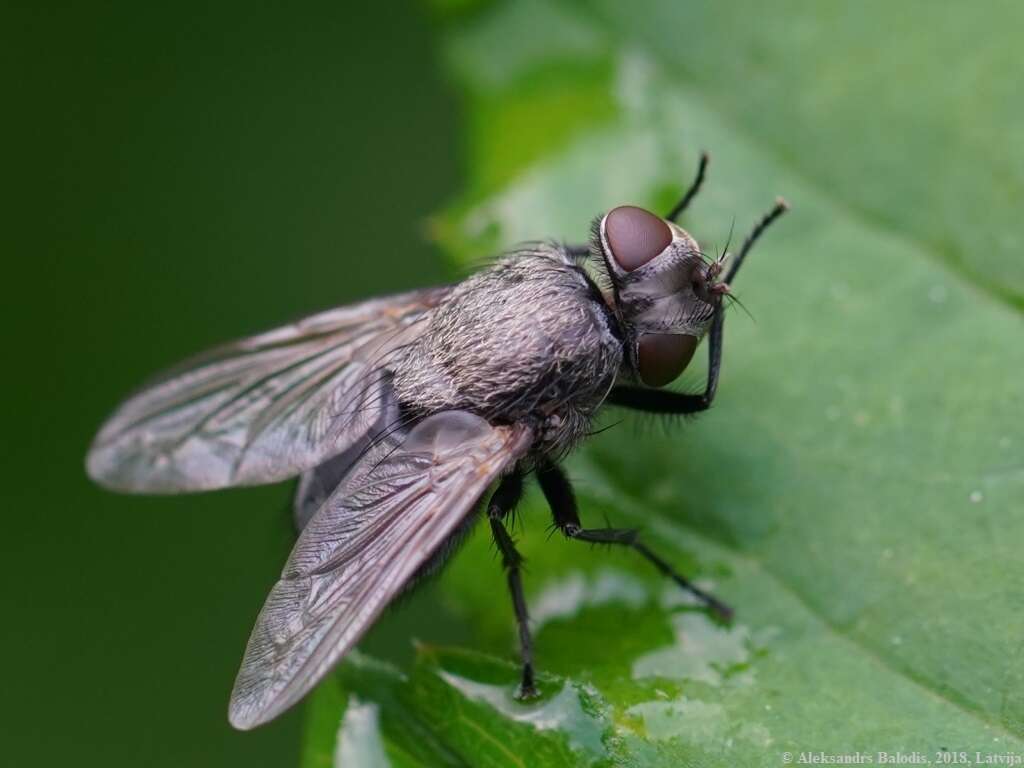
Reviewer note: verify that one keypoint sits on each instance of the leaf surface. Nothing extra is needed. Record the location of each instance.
(857, 491)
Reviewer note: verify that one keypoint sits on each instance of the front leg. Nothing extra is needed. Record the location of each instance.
(560, 498)
(580, 251)
(666, 401)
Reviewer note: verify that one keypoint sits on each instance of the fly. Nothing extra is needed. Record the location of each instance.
(399, 413)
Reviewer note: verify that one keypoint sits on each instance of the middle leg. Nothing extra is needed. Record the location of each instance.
(560, 498)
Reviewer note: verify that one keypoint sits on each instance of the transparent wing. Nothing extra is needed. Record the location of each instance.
(263, 408)
(395, 508)
(316, 484)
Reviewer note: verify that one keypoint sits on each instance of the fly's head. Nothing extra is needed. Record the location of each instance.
(663, 290)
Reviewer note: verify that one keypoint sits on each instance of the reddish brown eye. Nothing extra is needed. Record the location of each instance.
(663, 356)
(635, 236)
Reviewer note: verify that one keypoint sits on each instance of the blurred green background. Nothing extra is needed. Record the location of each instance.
(177, 175)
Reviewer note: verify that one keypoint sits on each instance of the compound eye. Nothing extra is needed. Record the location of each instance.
(663, 356)
(635, 236)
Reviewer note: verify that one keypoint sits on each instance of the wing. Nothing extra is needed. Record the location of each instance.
(264, 408)
(316, 484)
(396, 507)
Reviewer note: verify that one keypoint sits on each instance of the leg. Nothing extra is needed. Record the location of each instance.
(504, 500)
(667, 401)
(580, 251)
(558, 493)
(691, 193)
(660, 401)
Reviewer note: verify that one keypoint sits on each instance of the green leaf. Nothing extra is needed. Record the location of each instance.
(856, 493)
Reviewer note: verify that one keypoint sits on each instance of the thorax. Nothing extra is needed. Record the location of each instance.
(527, 338)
